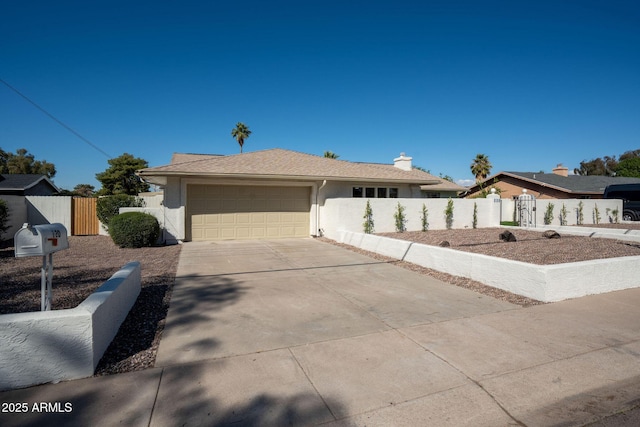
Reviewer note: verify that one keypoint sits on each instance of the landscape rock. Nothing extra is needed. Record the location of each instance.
(444, 244)
(507, 236)
(551, 234)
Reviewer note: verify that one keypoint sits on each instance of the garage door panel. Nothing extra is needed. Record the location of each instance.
(248, 212)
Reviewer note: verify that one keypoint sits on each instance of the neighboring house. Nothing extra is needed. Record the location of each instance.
(14, 188)
(556, 185)
(271, 193)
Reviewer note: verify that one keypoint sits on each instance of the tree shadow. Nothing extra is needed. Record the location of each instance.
(136, 343)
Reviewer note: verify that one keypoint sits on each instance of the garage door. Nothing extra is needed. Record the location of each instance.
(220, 212)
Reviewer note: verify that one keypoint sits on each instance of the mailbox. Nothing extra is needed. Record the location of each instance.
(40, 240)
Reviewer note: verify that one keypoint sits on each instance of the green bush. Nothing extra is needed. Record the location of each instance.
(134, 230)
(368, 219)
(109, 206)
(401, 219)
(4, 217)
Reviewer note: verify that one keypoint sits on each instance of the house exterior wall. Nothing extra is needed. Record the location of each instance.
(17, 214)
(512, 187)
(40, 189)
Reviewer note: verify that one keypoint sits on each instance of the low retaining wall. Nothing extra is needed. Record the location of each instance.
(51, 346)
(546, 283)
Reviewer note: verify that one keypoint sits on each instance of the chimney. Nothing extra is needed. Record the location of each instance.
(561, 170)
(403, 162)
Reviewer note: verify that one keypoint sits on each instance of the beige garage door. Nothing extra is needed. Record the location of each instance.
(220, 212)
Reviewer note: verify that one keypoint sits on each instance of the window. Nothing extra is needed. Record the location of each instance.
(375, 192)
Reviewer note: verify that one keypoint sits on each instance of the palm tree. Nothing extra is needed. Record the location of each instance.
(481, 167)
(330, 155)
(240, 133)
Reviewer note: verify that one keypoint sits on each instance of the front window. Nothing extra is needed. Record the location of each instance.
(370, 193)
(357, 192)
(382, 193)
(393, 193)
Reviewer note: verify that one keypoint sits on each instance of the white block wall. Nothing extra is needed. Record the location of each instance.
(546, 283)
(348, 214)
(572, 206)
(51, 346)
(49, 210)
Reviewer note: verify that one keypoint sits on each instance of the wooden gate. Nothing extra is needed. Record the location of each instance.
(85, 219)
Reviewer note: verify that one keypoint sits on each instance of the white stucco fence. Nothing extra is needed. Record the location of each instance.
(348, 213)
(604, 208)
(51, 346)
(546, 283)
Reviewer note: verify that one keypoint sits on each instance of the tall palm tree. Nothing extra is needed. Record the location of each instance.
(481, 167)
(240, 133)
(330, 155)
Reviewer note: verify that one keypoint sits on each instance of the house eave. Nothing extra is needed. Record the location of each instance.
(160, 178)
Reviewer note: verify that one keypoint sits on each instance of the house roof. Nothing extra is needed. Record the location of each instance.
(21, 181)
(282, 164)
(578, 184)
(189, 157)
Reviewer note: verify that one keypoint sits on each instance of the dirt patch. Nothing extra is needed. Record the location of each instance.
(531, 246)
(79, 271)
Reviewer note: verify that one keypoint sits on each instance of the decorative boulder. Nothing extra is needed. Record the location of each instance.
(551, 234)
(444, 244)
(507, 236)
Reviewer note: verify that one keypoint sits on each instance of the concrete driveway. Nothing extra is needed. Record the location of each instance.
(301, 332)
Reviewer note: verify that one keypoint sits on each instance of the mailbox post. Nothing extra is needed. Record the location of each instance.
(42, 240)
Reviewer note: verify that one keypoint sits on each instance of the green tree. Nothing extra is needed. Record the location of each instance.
(120, 177)
(630, 167)
(599, 166)
(400, 218)
(24, 162)
(240, 133)
(84, 190)
(481, 167)
(330, 155)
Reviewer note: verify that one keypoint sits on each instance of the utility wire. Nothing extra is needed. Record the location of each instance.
(55, 119)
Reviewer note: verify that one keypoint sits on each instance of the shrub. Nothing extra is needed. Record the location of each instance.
(4, 217)
(401, 219)
(563, 215)
(109, 206)
(424, 218)
(448, 214)
(580, 213)
(596, 214)
(548, 214)
(475, 215)
(368, 219)
(134, 230)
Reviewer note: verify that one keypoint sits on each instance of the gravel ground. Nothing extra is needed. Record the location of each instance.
(79, 271)
(531, 246)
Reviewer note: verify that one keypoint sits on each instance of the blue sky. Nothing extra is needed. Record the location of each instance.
(529, 83)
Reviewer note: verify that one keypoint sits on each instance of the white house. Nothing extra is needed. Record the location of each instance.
(273, 193)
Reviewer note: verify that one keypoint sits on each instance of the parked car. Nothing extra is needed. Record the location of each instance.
(630, 196)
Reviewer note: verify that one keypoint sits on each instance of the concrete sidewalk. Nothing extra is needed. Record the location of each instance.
(300, 332)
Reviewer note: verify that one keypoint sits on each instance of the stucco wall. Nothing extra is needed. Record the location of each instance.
(546, 283)
(572, 206)
(347, 214)
(49, 210)
(46, 346)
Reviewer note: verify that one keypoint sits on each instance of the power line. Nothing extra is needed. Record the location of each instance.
(85, 140)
